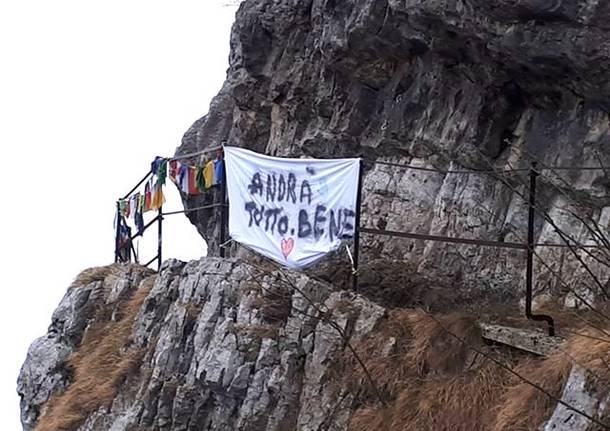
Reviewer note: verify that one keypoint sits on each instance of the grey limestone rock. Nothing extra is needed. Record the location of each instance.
(214, 360)
(446, 84)
(44, 372)
(443, 84)
(578, 395)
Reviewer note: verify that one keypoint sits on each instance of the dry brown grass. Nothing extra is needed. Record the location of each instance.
(593, 355)
(370, 418)
(551, 373)
(100, 366)
(106, 273)
(432, 381)
(523, 406)
(434, 350)
(90, 275)
(390, 370)
(274, 301)
(409, 345)
(193, 311)
(462, 402)
(257, 331)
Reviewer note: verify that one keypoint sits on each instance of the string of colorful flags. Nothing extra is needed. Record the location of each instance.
(190, 179)
(310, 205)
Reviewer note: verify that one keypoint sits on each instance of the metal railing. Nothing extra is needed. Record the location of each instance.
(528, 246)
(125, 252)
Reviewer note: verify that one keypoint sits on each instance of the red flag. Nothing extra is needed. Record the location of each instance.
(192, 184)
(174, 168)
(147, 197)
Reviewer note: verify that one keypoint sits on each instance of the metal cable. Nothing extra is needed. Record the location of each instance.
(595, 231)
(564, 236)
(556, 274)
(515, 373)
(198, 153)
(485, 355)
(480, 172)
(205, 207)
(441, 171)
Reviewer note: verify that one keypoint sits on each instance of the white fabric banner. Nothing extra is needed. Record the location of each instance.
(294, 211)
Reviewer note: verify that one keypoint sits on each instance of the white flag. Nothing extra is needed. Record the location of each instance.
(294, 211)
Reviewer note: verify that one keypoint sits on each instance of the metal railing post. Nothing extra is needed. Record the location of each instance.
(223, 208)
(160, 240)
(117, 237)
(529, 272)
(357, 228)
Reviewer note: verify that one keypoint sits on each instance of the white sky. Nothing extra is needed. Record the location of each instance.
(90, 92)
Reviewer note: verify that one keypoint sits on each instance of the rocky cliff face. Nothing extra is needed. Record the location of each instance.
(219, 344)
(238, 344)
(442, 84)
(215, 344)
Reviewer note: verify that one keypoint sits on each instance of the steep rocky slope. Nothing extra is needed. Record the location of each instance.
(225, 345)
(446, 84)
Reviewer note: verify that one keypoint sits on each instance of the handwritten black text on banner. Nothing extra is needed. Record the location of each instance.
(292, 210)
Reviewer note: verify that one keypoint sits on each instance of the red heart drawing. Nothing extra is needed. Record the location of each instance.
(287, 247)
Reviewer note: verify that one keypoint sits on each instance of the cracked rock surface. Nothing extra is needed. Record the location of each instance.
(228, 347)
(44, 371)
(446, 84)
